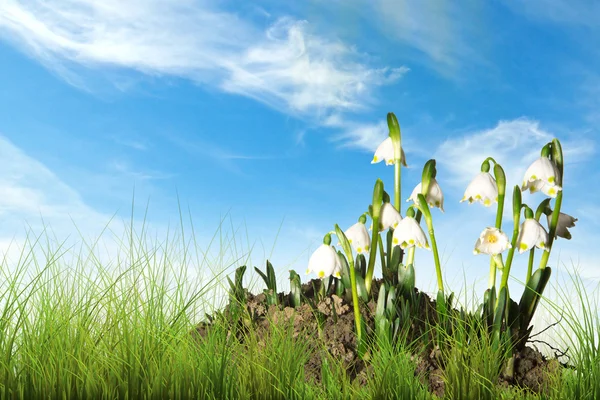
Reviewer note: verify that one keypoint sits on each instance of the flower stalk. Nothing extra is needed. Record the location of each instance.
(396, 137)
(348, 250)
(375, 216)
(427, 214)
(557, 156)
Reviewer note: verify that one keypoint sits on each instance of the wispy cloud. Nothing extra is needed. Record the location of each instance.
(436, 29)
(365, 136)
(574, 12)
(288, 66)
(124, 168)
(33, 197)
(514, 144)
(135, 144)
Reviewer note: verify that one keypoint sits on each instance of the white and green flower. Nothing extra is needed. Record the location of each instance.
(358, 236)
(542, 175)
(565, 221)
(409, 233)
(532, 234)
(325, 262)
(483, 188)
(389, 217)
(435, 197)
(492, 241)
(385, 151)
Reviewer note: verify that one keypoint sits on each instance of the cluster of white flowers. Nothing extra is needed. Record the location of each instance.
(542, 175)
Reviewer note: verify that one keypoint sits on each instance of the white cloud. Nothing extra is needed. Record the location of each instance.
(288, 67)
(514, 144)
(575, 12)
(437, 29)
(363, 136)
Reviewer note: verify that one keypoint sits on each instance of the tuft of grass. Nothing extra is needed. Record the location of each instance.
(76, 325)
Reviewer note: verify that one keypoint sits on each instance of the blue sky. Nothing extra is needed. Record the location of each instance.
(271, 112)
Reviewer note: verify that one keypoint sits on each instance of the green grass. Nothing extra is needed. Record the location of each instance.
(74, 326)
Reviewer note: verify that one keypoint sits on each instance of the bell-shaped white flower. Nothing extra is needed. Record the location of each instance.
(482, 188)
(492, 241)
(389, 217)
(325, 262)
(532, 234)
(409, 233)
(435, 197)
(358, 236)
(385, 151)
(565, 221)
(542, 175)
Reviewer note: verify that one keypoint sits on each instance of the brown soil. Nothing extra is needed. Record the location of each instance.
(337, 337)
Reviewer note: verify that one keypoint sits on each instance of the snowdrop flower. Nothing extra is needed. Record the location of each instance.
(358, 236)
(541, 175)
(385, 151)
(409, 233)
(325, 261)
(482, 188)
(435, 197)
(532, 234)
(389, 217)
(564, 221)
(492, 241)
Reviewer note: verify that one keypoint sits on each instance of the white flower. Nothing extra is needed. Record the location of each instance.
(542, 175)
(532, 234)
(389, 217)
(325, 261)
(564, 221)
(358, 236)
(482, 188)
(492, 241)
(385, 151)
(409, 233)
(435, 197)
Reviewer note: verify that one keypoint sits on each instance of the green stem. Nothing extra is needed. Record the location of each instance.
(381, 253)
(428, 220)
(348, 250)
(552, 233)
(517, 205)
(376, 214)
(530, 264)
(397, 184)
(410, 258)
(492, 280)
(505, 271)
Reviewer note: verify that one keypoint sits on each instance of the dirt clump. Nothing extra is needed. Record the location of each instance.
(327, 325)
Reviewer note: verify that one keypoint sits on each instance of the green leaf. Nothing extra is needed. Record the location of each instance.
(361, 265)
(345, 270)
(380, 310)
(295, 289)
(500, 312)
(395, 260)
(489, 303)
(271, 275)
(406, 279)
(388, 249)
(390, 307)
(263, 276)
(361, 288)
(440, 303)
(531, 294)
